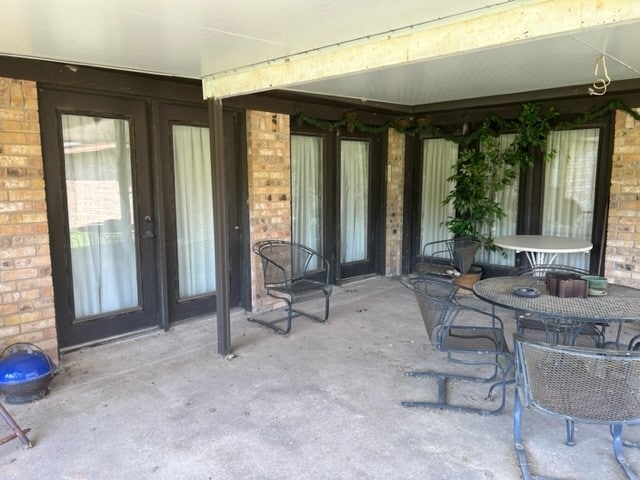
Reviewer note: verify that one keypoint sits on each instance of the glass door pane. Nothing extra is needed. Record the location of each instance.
(306, 191)
(194, 211)
(438, 158)
(98, 180)
(508, 200)
(569, 189)
(354, 200)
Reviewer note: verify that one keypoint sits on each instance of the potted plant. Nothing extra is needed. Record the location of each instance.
(484, 169)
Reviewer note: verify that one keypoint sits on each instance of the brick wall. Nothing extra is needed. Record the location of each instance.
(395, 198)
(622, 260)
(26, 311)
(269, 181)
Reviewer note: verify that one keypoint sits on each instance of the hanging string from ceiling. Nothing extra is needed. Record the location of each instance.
(600, 85)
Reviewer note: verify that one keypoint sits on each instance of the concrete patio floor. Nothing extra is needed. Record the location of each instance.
(320, 403)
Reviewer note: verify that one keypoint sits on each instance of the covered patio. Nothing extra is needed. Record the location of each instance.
(320, 403)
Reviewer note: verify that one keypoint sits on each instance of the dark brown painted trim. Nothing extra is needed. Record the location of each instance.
(624, 89)
(68, 76)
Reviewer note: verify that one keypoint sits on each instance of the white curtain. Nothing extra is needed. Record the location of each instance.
(100, 211)
(354, 200)
(508, 200)
(570, 189)
(306, 190)
(438, 158)
(194, 210)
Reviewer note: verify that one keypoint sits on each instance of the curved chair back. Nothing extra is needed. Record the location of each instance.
(591, 385)
(585, 384)
(435, 301)
(284, 262)
(444, 255)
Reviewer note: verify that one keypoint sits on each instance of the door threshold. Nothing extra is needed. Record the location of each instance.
(358, 278)
(114, 338)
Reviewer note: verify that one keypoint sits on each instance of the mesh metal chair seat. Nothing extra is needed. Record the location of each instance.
(468, 336)
(556, 330)
(293, 273)
(579, 385)
(443, 256)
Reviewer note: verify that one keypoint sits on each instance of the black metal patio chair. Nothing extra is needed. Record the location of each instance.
(445, 256)
(293, 272)
(578, 384)
(470, 338)
(556, 330)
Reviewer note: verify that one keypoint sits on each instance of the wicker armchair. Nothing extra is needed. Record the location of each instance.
(467, 335)
(293, 273)
(577, 384)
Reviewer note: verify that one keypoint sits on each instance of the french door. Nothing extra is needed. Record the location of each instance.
(101, 215)
(188, 205)
(337, 199)
(131, 213)
(360, 203)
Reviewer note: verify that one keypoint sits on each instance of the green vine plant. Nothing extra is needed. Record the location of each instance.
(423, 124)
(485, 169)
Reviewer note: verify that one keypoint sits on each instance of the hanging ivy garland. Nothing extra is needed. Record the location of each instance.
(481, 173)
(423, 124)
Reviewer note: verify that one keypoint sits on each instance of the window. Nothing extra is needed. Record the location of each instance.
(559, 197)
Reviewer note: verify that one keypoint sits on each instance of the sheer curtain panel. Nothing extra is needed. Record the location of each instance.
(569, 193)
(438, 158)
(194, 210)
(508, 200)
(306, 191)
(354, 200)
(97, 162)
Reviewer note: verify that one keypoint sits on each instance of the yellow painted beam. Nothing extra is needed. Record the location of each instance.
(503, 25)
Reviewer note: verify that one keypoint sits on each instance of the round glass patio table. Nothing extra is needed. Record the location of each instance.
(621, 304)
(542, 249)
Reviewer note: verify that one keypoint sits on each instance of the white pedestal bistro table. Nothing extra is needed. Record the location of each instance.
(542, 249)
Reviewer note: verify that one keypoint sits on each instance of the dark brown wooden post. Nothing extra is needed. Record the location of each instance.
(220, 227)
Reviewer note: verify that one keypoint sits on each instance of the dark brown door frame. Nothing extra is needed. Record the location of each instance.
(72, 332)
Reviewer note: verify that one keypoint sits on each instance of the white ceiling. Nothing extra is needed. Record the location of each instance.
(196, 38)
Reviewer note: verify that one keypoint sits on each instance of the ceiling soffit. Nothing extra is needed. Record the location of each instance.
(455, 40)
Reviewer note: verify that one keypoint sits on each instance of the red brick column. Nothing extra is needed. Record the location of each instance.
(26, 289)
(622, 260)
(269, 177)
(395, 199)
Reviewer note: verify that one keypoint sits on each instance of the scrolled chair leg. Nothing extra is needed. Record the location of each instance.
(442, 384)
(272, 324)
(616, 434)
(517, 437)
(570, 426)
